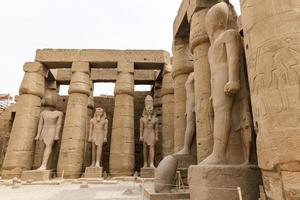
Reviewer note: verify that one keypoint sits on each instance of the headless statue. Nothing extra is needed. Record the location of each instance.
(148, 132)
(190, 116)
(98, 135)
(48, 131)
(226, 64)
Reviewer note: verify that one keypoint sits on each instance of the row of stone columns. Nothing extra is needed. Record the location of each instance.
(20, 153)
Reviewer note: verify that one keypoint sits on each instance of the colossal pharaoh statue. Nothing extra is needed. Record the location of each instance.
(148, 132)
(229, 92)
(48, 131)
(98, 135)
(231, 163)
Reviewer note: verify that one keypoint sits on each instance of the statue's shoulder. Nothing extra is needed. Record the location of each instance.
(59, 113)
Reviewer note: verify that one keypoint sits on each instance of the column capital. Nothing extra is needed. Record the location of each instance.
(125, 80)
(34, 79)
(80, 81)
(198, 33)
(182, 59)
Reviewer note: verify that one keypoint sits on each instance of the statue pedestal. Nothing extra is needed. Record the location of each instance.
(147, 172)
(36, 175)
(93, 172)
(219, 182)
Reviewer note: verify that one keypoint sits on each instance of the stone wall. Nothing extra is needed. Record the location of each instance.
(6, 120)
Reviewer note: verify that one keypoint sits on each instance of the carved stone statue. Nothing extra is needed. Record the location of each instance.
(48, 131)
(190, 116)
(228, 86)
(148, 132)
(98, 135)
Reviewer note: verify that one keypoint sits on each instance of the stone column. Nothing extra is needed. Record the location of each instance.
(87, 145)
(272, 45)
(72, 143)
(167, 98)
(49, 101)
(182, 66)
(157, 103)
(199, 44)
(20, 149)
(122, 138)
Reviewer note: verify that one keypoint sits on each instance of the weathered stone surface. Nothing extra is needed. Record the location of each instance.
(182, 66)
(200, 44)
(72, 145)
(93, 172)
(272, 42)
(36, 175)
(62, 58)
(167, 98)
(219, 182)
(122, 139)
(147, 172)
(20, 148)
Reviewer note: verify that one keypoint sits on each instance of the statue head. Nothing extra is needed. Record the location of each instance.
(148, 111)
(99, 113)
(220, 17)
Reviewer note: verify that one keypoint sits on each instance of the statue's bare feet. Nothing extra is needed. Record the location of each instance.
(213, 159)
(184, 151)
(145, 165)
(152, 165)
(92, 165)
(97, 165)
(42, 168)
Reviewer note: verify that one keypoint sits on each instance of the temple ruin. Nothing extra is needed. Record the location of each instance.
(221, 117)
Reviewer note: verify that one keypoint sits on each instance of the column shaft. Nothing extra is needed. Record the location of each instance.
(122, 139)
(73, 139)
(199, 45)
(182, 66)
(167, 97)
(272, 40)
(19, 155)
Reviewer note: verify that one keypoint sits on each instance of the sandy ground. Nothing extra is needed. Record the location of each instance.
(69, 191)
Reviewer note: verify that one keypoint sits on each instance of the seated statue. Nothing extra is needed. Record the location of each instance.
(98, 135)
(148, 132)
(48, 131)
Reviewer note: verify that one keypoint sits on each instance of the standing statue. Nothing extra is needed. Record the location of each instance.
(148, 132)
(98, 135)
(48, 131)
(190, 116)
(228, 84)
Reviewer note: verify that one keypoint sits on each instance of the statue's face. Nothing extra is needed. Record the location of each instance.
(99, 112)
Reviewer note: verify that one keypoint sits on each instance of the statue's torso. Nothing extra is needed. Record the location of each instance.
(149, 130)
(50, 119)
(98, 131)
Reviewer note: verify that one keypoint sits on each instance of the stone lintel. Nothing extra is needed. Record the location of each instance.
(79, 66)
(63, 76)
(62, 58)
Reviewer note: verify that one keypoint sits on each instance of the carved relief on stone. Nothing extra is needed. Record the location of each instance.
(98, 135)
(48, 131)
(148, 132)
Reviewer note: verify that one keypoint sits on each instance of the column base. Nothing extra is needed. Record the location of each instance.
(147, 172)
(36, 175)
(93, 172)
(219, 182)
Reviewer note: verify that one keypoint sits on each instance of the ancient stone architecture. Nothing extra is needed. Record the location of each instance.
(221, 117)
(80, 68)
(272, 51)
